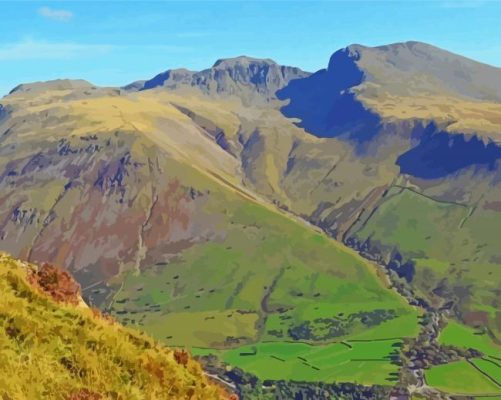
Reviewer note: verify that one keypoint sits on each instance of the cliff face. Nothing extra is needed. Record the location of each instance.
(53, 349)
(250, 79)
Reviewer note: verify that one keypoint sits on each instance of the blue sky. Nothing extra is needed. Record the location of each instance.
(114, 43)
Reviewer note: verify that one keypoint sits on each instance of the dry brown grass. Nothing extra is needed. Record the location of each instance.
(54, 350)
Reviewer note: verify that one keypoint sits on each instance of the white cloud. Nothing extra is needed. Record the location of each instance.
(56, 15)
(29, 49)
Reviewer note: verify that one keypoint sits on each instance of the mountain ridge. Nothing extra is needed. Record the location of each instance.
(56, 84)
(389, 52)
(241, 76)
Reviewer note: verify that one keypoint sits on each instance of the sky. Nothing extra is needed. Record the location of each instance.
(112, 43)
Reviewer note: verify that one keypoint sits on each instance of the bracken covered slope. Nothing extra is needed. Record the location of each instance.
(54, 347)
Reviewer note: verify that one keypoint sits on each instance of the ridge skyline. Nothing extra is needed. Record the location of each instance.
(99, 42)
(262, 60)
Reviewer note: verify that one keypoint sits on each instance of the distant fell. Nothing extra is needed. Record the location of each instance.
(58, 84)
(414, 67)
(364, 87)
(251, 79)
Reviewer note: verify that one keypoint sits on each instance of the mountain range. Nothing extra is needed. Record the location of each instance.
(254, 203)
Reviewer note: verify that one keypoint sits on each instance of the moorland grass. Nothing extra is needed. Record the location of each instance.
(53, 351)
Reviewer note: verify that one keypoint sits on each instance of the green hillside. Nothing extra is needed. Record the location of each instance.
(268, 278)
(452, 246)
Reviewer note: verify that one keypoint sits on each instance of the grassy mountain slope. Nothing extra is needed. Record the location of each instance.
(452, 247)
(135, 195)
(264, 277)
(57, 350)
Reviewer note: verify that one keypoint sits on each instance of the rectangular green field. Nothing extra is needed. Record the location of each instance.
(490, 367)
(361, 362)
(461, 378)
(464, 337)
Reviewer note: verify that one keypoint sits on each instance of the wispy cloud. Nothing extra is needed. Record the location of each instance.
(56, 15)
(29, 49)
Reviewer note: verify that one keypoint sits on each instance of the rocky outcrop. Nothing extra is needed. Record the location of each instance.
(251, 79)
(57, 283)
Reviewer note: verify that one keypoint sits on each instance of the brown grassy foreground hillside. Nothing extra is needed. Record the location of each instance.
(52, 346)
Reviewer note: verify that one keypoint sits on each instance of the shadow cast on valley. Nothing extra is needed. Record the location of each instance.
(440, 153)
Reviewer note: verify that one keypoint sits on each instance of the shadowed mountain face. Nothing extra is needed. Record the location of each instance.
(324, 103)
(437, 154)
(362, 85)
(192, 190)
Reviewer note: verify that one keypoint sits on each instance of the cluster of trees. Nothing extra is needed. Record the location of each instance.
(328, 328)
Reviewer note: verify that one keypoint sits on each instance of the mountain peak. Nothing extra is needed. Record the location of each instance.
(416, 48)
(354, 90)
(242, 76)
(57, 84)
(242, 60)
(395, 68)
(410, 44)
